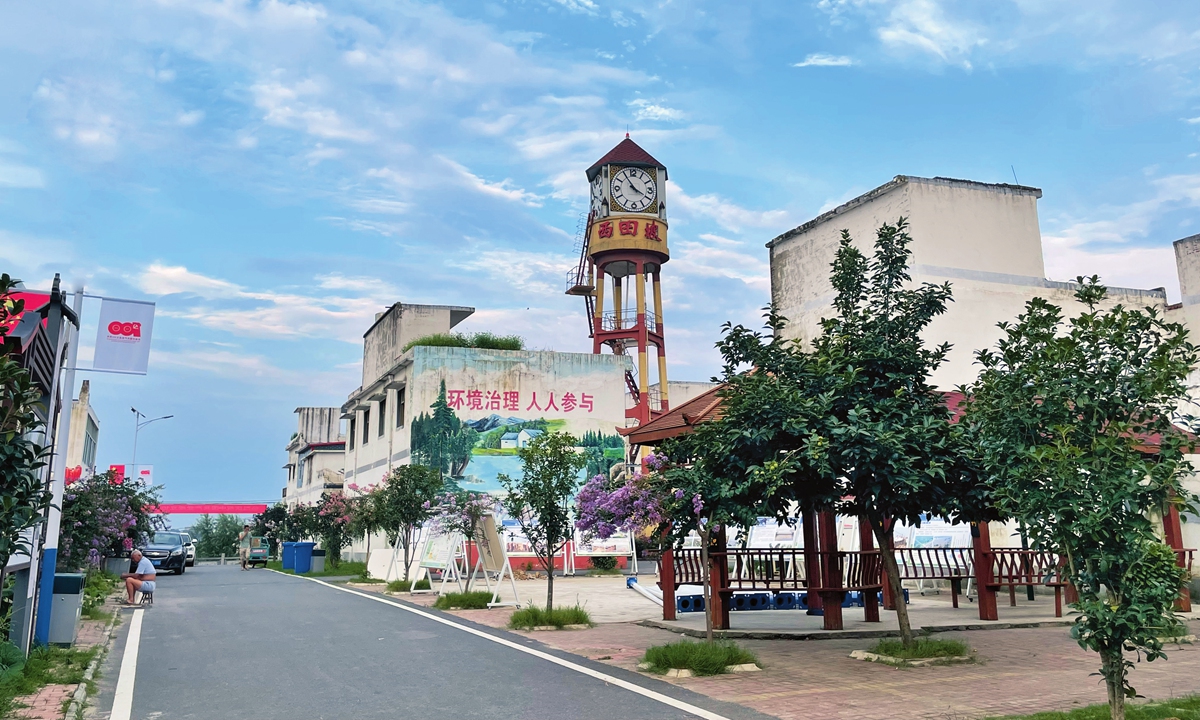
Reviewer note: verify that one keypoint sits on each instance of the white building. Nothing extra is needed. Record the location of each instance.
(984, 239)
(85, 436)
(315, 456)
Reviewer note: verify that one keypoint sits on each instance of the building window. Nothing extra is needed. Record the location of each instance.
(400, 408)
(351, 433)
(382, 416)
(300, 474)
(309, 466)
(366, 434)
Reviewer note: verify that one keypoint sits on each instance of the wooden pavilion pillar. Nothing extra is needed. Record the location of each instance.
(981, 544)
(866, 543)
(1173, 530)
(812, 561)
(666, 582)
(831, 562)
(718, 576)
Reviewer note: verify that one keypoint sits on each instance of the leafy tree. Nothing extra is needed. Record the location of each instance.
(538, 499)
(462, 512)
(217, 536)
(440, 440)
(1065, 410)
(329, 521)
(399, 506)
(103, 519)
(23, 498)
(272, 524)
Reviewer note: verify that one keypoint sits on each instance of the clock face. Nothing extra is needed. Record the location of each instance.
(597, 195)
(634, 189)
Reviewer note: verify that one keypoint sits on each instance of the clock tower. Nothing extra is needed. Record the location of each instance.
(624, 248)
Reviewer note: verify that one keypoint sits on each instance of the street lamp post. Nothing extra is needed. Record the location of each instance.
(138, 424)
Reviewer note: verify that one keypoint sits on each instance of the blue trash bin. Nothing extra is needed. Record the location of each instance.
(289, 556)
(304, 557)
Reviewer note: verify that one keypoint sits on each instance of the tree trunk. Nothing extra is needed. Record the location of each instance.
(1114, 678)
(707, 575)
(550, 583)
(892, 575)
(406, 541)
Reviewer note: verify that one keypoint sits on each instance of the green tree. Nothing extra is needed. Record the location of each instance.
(23, 498)
(101, 518)
(399, 506)
(538, 499)
(440, 440)
(1064, 411)
(217, 536)
(272, 524)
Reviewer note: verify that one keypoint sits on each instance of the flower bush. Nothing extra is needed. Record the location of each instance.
(103, 519)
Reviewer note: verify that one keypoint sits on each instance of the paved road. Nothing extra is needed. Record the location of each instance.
(222, 643)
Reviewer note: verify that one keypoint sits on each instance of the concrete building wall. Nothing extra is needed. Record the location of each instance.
(982, 239)
(399, 325)
(315, 456)
(85, 432)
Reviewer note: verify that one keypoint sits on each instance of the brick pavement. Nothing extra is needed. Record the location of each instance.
(1019, 671)
(46, 704)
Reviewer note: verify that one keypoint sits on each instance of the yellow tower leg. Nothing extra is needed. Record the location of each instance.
(662, 355)
(643, 368)
(599, 311)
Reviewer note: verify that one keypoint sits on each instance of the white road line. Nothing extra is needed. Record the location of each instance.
(658, 697)
(123, 699)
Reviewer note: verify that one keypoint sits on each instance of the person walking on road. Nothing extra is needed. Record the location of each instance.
(142, 578)
(244, 546)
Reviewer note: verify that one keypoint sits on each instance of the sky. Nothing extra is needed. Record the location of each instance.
(273, 173)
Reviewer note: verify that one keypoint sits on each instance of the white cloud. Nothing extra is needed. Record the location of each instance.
(647, 110)
(723, 212)
(925, 26)
(825, 60)
(505, 189)
(1193, 121)
(188, 119)
(718, 256)
(20, 176)
(287, 106)
(1105, 247)
(584, 7)
(526, 272)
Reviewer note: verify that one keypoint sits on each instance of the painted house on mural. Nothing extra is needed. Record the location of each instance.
(985, 240)
(316, 453)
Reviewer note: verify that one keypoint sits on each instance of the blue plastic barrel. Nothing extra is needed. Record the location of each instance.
(304, 557)
(289, 556)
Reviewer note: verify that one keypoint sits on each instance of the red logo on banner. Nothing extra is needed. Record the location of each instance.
(118, 474)
(72, 474)
(126, 329)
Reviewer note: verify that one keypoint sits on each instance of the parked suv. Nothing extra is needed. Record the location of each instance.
(190, 546)
(166, 552)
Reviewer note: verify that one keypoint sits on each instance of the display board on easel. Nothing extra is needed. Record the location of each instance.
(493, 559)
(440, 552)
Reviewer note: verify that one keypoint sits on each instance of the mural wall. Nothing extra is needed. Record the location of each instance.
(473, 410)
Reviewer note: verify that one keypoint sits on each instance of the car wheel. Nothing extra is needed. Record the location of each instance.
(182, 568)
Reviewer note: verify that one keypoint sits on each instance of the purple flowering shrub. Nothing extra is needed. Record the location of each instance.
(101, 519)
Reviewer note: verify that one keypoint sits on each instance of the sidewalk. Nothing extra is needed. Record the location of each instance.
(49, 703)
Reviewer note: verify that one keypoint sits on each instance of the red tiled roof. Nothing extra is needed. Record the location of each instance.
(679, 420)
(707, 406)
(626, 152)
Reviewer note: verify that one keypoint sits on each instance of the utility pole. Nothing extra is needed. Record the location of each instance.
(137, 427)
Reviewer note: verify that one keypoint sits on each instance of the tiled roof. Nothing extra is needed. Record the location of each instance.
(679, 420)
(626, 152)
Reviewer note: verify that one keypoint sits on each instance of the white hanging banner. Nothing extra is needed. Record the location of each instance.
(123, 336)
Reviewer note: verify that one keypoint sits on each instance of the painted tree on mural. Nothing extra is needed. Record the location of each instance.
(1077, 424)
(440, 440)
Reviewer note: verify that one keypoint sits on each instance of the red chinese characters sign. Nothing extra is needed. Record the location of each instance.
(629, 228)
(516, 401)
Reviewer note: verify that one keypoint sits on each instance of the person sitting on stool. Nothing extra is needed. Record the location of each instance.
(141, 579)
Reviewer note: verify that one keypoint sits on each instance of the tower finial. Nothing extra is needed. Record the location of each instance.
(627, 135)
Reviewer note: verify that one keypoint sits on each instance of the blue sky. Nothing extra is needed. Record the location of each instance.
(273, 173)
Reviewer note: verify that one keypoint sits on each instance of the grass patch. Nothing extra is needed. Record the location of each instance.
(45, 666)
(344, 569)
(535, 616)
(922, 648)
(1186, 708)
(464, 601)
(701, 658)
(406, 585)
(484, 340)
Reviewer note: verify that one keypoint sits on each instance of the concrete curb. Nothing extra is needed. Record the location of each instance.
(845, 634)
(80, 697)
(905, 662)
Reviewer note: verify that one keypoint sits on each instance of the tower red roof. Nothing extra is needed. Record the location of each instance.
(627, 152)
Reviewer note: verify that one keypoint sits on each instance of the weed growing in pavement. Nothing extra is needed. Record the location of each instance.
(701, 658)
(535, 616)
(921, 648)
(404, 585)
(1185, 708)
(463, 601)
(45, 666)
